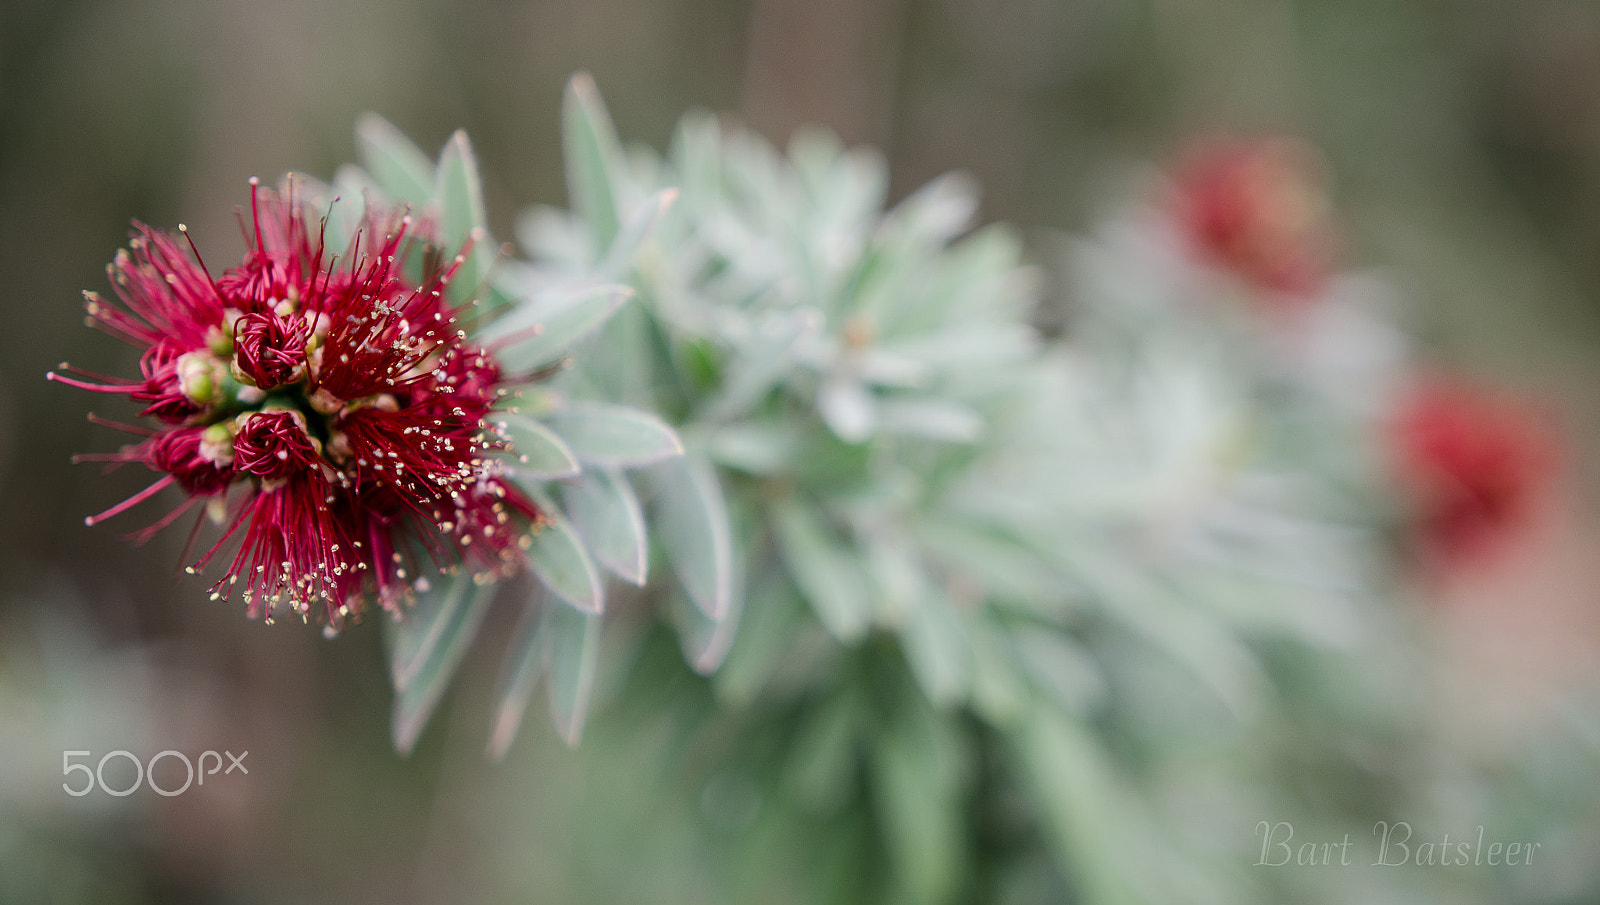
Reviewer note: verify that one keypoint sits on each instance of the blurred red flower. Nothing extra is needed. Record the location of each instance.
(1476, 465)
(1257, 209)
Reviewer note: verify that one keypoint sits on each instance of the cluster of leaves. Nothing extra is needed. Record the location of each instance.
(986, 588)
(842, 374)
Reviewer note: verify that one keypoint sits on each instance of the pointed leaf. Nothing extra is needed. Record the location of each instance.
(921, 803)
(641, 224)
(764, 361)
(940, 210)
(823, 758)
(352, 186)
(571, 651)
(539, 332)
(538, 451)
(397, 165)
(420, 633)
(899, 581)
(1153, 607)
(557, 555)
(756, 447)
(999, 691)
(556, 237)
(939, 651)
(613, 436)
(459, 190)
(416, 701)
(1078, 797)
(593, 158)
(606, 513)
(524, 664)
(849, 409)
(692, 521)
(1061, 667)
(705, 641)
(936, 419)
(461, 217)
(823, 568)
(770, 617)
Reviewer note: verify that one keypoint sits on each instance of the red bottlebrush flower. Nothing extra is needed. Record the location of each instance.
(270, 350)
(1257, 209)
(1476, 466)
(196, 457)
(274, 445)
(327, 406)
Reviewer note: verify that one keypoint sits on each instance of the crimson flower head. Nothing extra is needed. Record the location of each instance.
(1476, 466)
(1257, 209)
(324, 404)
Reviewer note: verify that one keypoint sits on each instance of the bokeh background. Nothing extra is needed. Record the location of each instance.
(1463, 144)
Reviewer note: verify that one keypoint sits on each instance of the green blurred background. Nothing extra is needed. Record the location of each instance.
(1463, 141)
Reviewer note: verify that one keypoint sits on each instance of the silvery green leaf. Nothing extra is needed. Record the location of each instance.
(1075, 790)
(940, 210)
(541, 330)
(755, 447)
(606, 512)
(823, 758)
(848, 408)
(705, 641)
(571, 652)
(966, 345)
(931, 417)
(641, 223)
(770, 615)
(539, 452)
(1147, 604)
(844, 189)
(763, 361)
(593, 158)
(342, 217)
(816, 153)
(824, 569)
(1062, 667)
(437, 657)
(415, 638)
(459, 192)
(692, 522)
(1219, 659)
(888, 370)
(994, 559)
(400, 167)
(612, 436)
(921, 804)
(938, 650)
(978, 278)
(353, 187)
(556, 554)
(626, 365)
(696, 155)
(999, 692)
(519, 676)
(556, 238)
(898, 581)
(522, 283)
